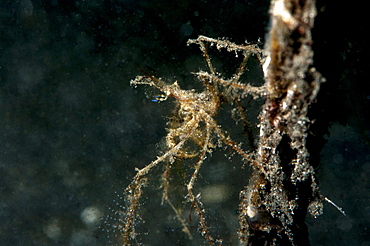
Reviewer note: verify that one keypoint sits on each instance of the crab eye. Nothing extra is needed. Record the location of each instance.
(159, 98)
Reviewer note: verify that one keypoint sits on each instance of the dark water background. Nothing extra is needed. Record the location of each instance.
(72, 130)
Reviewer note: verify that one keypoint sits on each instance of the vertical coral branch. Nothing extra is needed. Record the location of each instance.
(284, 188)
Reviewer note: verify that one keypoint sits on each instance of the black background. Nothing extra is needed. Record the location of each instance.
(72, 130)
